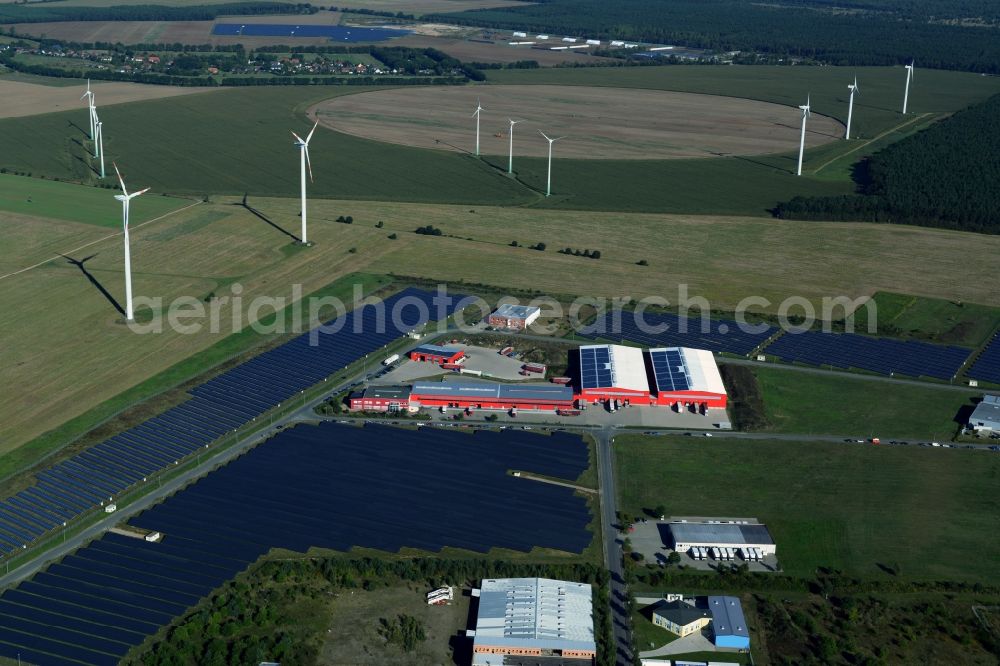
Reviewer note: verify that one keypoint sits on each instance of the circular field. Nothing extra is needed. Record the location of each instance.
(598, 123)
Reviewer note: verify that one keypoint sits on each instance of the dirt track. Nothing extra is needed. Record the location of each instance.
(30, 99)
(599, 123)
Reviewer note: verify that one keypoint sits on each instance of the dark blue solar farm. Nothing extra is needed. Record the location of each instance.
(884, 356)
(337, 33)
(987, 366)
(670, 330)
(226, 402)
(328, 486)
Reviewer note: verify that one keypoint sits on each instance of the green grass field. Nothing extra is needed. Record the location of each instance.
(66, 201)
(947, 321)
(191, 145)
(239, 140)
(851, 507)
(836, 404)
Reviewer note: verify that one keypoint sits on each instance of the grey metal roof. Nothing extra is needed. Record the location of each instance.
(493, 390)
(679, 612)
(728, 533)
(987, 413)
(536, 612)
(400, 392)
(727, 617)
(437, 349)
(511, 311)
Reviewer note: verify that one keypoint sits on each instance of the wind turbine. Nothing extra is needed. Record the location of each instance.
(90, 108)
(304, 158)
(93, 121)
(510, 158)
(100, 143)
(548, 182)
(853, 87)
(909, 77)
(477, 113)
(806, 111)
(125, 198)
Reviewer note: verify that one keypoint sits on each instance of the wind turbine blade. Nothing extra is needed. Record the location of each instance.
(120, 180)
(135, 194)
(298, 138)
(545, 135)
(308, 163)
(310, 135)
(558, 138)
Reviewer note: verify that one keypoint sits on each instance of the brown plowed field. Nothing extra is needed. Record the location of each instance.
(598, 123)
(30, 99)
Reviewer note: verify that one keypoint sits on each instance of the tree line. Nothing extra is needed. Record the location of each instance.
(806, 29)
(945, 176)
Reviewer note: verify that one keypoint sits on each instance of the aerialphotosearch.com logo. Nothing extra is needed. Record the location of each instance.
(602, 317)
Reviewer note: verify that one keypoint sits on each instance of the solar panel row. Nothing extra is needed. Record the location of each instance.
(670, 330)
(221, 405)
(595, 368)
(669, 370)
(884, 356)
(329, 486)
(337, 32)
(987, 366)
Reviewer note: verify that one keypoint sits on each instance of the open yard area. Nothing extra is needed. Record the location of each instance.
(29, 99)
(920, 513)
(354, 621)
(598, 123)
(838, 404)
(953, 322)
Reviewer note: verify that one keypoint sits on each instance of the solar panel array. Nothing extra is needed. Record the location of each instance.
(987, 366)
(595, 368)
(329, 486)
(885, 356)
(669, 369)
(221, 405)
(337, 32)
(717, 335)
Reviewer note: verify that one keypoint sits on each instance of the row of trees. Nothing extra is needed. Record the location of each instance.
(45, 12)
(808, 28)
(945, 176)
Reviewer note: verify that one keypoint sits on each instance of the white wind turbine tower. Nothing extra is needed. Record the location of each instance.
(853, 87)
(477, 113)
(906, 93)
(548, 182)
(90, 108)
(510, 158)
(304, 159)
(100, 143)
(806, 110)
(125, 197)
(93, 121)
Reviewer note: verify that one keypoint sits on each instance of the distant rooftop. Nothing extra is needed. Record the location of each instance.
(987, 412)
(727, 533)
(493, 390)
(400, 392)
(438, 350)
(727, 617)
(515, 311)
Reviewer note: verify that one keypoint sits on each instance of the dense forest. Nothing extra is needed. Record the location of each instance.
(44, 12)
(886, 32)
(946, 176)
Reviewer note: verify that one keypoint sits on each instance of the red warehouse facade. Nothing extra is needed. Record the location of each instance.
(437, 354)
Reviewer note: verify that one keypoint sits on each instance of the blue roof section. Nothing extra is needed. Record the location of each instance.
(595, 368)
(492, 390)
(437, 350)
(669, 370)
(333, 32)
(727, 617)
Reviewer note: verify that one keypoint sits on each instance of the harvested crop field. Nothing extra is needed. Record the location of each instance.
(598, 123)
(29, 99)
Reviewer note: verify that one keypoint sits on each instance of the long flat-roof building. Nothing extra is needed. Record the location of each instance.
(492, 395)
(986, 415)
(717, 534)
(381, 399)
(533, 617)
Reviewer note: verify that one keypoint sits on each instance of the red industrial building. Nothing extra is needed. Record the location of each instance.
(671, 376)
(490, 395)
(381, 399)
(437, 354)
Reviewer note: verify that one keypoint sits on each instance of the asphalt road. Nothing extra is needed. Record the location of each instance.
(620, 620)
